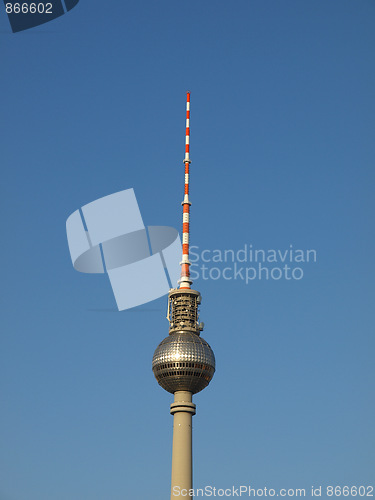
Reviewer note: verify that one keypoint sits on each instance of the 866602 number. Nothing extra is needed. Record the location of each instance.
(28, 8)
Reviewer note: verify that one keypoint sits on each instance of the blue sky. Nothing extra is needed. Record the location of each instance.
(282, 126)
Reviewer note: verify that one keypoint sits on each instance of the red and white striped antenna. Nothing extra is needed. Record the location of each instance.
(185, 280)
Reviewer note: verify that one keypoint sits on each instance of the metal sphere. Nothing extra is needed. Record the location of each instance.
(183, 361)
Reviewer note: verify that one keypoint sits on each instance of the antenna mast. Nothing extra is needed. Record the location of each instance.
(185, 280)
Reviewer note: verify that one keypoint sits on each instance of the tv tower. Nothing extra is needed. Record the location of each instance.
(183, 362)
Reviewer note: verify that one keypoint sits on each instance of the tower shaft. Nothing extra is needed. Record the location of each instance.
(182, 458)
